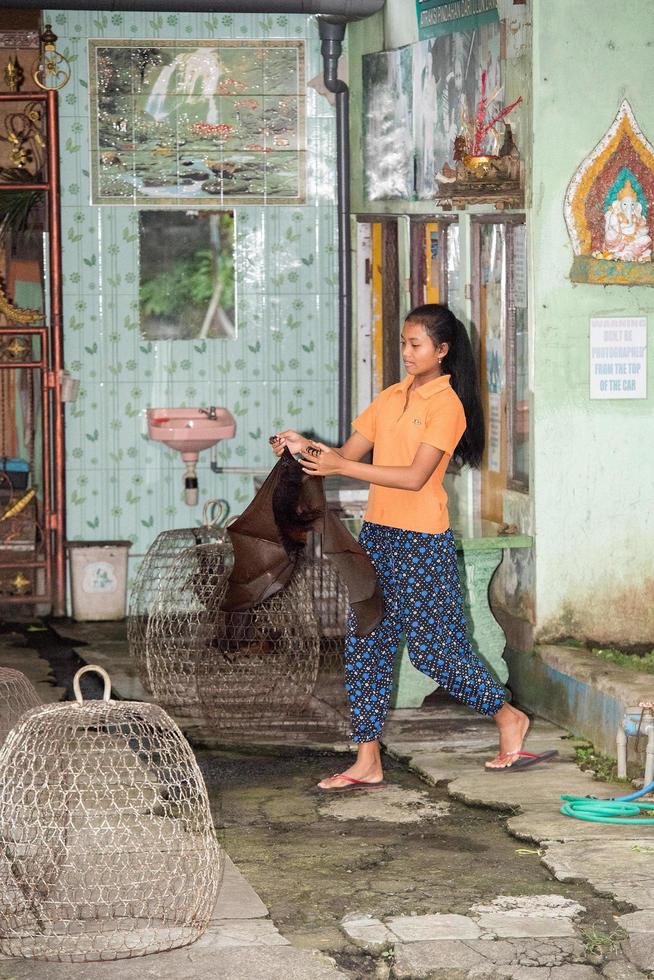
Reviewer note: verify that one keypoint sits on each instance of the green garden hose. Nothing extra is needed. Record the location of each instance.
(622, 809)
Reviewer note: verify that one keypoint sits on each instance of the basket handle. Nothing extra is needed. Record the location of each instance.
(106, 695)
(219, 511)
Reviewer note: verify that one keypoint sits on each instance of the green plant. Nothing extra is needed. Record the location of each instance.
(604, 767)
(596, 941)
(17, 206)
(188, 282)
(644, 663)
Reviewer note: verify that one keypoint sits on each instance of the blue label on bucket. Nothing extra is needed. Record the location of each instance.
(99, 576)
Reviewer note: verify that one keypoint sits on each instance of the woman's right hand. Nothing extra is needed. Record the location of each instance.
(289, 439)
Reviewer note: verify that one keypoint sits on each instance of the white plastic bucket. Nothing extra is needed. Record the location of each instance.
(98, 573)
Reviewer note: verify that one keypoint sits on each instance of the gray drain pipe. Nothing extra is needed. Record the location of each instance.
(333, 18)
(332, 32)
(347, 9)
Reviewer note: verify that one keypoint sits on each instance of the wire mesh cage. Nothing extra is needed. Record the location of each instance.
(148, 589)
(260, 666)
(331, 606)
(17, 695)
(189, 590)
(107, 849)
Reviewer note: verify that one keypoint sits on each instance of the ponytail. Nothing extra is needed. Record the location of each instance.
(459, 362)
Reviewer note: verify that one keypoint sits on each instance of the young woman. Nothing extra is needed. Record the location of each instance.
(413, 429)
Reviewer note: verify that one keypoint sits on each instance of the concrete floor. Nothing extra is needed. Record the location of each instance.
(386, 915)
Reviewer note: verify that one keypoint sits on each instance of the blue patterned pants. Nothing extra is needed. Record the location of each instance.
(419, 577)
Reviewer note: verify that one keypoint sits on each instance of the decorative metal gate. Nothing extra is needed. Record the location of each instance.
(32, 493)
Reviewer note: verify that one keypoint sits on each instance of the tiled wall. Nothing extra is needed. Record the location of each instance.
(280, 371)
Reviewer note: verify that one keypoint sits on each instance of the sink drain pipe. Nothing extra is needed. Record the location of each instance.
(619, 809)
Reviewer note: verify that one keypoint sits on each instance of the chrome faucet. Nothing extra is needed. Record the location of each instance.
(209, 412)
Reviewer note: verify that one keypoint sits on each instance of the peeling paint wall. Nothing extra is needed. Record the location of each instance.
(591, 501)
(593, 464)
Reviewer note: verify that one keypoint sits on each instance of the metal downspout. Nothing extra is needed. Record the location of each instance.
(332, 32)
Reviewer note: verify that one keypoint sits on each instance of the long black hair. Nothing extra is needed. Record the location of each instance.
(444, 328)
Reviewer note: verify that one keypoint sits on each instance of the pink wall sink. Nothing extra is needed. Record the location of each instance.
(189, 430)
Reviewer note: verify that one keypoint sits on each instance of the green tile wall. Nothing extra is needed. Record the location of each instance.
(282, 368)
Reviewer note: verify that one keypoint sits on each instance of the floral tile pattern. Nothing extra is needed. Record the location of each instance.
(282, 368)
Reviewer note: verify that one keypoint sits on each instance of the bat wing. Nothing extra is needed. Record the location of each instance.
(357, 572)
(262, 565)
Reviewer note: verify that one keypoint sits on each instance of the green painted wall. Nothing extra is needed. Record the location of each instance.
(591, 498)
(593, 460)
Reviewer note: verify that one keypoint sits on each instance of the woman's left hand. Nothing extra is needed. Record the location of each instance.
(321, 460)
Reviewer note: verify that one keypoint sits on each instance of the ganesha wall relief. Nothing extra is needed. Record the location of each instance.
(609, 208)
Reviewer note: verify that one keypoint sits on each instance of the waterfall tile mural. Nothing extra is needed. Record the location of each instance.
(417, 99)
(388, 124)
(197, 122)
(609, 208)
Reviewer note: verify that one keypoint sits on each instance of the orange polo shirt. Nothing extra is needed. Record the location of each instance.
(397, 422)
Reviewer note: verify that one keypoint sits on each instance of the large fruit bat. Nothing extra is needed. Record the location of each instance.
(268, 539)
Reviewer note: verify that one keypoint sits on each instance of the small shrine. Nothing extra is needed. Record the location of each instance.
(608, 208)
(477, 175)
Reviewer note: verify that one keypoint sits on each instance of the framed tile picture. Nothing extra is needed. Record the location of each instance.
(197, 122)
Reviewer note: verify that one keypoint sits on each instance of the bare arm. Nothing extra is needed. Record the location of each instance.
(412, 477)
(356, 447)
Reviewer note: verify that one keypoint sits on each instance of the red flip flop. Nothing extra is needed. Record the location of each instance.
(352, 784)
(522, 760)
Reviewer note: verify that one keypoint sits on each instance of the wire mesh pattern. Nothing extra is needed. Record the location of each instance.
(107, 846)
(149, 591)
(331, 605)
(17, 695)
(190, 589)
(257, 666)
(260, 666)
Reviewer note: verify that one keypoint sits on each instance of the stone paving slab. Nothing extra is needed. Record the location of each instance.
(502, 958)
(423, 928)
(637, 922)
(237, 899)
(37, 670)
(108, 631)
(640, 950)
(518, 926)
(604, 863)
(394, 804)
(624, 891)
(569, 972)
(541, 784)
(616, 860)
(436, 766)
(243, 932)
(190, 963)
(621, 970)
(541, 823)
(545, 906)
(367, 932)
